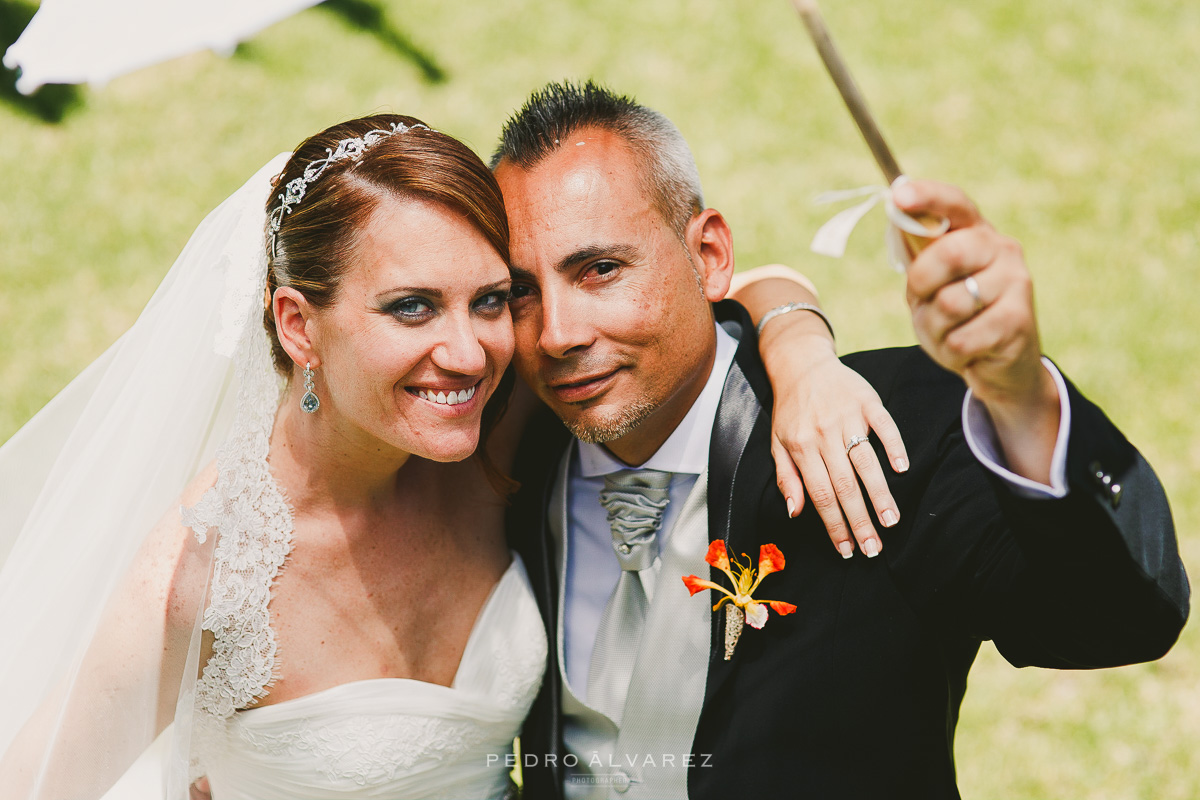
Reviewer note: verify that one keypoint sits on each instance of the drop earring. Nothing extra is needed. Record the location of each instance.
(310, 402)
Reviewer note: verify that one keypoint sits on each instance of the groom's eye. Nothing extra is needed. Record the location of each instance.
(518, 294)
(603, 268)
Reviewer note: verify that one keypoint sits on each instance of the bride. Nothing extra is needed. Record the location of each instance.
(330, 608)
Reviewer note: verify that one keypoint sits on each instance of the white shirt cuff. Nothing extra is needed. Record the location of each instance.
(982, 439)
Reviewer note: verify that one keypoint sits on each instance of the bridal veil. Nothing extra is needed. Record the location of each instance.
(83, 487)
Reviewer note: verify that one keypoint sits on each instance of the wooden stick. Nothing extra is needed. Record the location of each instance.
(848, 88)
(858, 109)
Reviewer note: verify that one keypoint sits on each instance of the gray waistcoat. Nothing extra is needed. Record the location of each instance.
(647, 755)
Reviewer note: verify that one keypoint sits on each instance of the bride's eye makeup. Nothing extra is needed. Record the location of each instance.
(409, 309)
(492, 303)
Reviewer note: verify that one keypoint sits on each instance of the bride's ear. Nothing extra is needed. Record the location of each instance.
(293, 324)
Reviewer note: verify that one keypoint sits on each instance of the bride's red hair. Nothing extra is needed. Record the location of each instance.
(313, 246)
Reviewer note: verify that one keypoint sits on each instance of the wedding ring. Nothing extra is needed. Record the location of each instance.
(854, 442)
(972, 287)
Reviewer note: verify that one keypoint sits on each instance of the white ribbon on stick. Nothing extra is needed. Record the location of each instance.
(831, 238)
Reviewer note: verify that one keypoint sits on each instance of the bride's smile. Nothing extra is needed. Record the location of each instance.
(416, 339)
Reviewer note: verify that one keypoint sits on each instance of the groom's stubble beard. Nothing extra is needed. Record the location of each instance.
(592, 426)
(615, 426)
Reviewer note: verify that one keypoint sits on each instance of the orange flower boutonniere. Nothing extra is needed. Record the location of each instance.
(745, 579)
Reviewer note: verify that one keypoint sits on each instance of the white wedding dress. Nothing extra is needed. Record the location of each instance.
(80, 487)
(383, 738)
(391, 737)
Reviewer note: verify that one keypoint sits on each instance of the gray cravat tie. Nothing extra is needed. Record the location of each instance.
(635, 501)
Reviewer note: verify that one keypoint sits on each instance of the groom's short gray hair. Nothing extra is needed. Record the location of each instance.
(557, 110)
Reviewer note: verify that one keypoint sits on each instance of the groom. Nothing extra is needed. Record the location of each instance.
(1025, 516)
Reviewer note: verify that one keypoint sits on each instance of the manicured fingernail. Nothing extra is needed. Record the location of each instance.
(871, 548)
(846, 549)
(791, 507)
(901, 465)
(890, 518)
(904, 195)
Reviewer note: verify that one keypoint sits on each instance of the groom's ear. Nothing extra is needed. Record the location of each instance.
(710, 242)
(293, 324)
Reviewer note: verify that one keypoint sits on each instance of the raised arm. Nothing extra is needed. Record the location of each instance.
(821, 409)
(1095, 577)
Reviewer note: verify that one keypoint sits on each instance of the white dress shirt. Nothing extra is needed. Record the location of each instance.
(592, 567)
(981, 438)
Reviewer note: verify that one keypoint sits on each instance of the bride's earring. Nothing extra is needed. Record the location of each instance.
(310, 402)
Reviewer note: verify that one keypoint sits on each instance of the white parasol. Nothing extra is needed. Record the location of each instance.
(94, 41)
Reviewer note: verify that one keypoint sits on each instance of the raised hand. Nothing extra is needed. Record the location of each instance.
(971, 298)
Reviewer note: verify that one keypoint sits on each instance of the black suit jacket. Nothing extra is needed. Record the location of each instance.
(875, 658)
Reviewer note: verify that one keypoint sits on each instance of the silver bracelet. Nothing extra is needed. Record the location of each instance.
(786, 307)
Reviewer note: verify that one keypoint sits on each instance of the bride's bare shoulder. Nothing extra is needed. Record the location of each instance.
(172, 565)
(204, 480)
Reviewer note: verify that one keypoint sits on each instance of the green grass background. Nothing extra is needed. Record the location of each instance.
(1073, 124)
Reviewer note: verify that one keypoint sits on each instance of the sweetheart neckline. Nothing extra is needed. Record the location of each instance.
(514, 566)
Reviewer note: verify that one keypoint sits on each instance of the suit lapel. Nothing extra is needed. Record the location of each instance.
(543, 444)
(739, 466)
(528, 528)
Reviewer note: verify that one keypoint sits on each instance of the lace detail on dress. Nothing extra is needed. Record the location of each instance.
(369, 750)
(253, 525)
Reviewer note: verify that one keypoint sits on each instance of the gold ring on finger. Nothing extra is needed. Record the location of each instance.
(854, 442)
(972, 287)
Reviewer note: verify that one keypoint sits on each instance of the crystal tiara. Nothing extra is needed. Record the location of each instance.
(352, 149)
